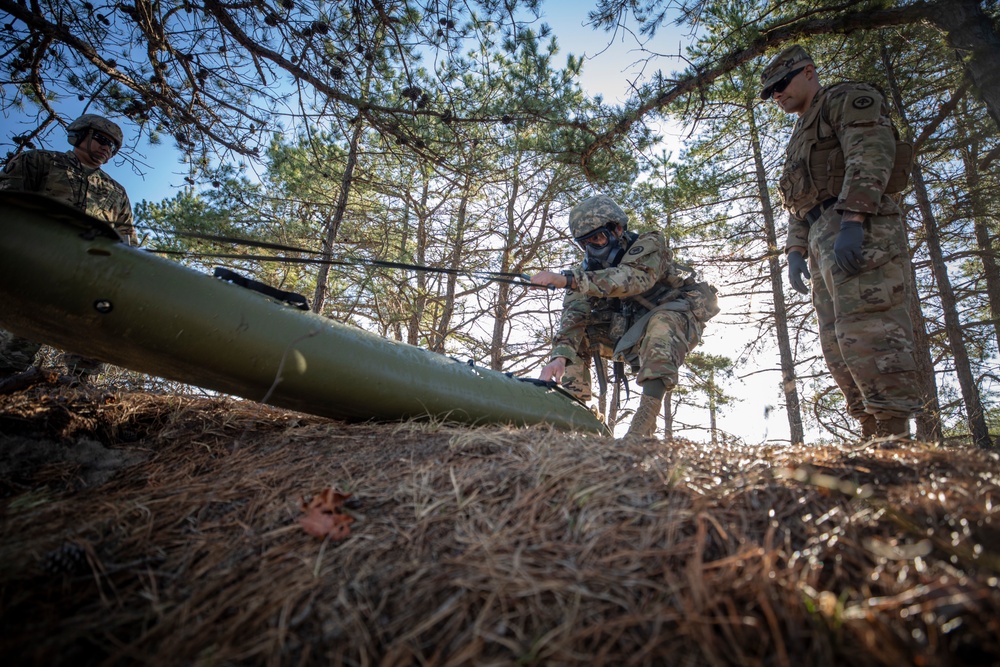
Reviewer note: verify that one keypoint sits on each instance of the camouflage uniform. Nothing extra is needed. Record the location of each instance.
(645, 269)
(62, 176)
(865, 329)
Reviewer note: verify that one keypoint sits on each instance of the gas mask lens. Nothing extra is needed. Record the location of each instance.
(597, 239)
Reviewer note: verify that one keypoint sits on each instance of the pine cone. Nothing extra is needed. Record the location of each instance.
(69, 558)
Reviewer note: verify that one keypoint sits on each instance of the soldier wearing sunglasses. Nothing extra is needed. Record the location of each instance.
(627, 300)
(74, 177)
(847, 238)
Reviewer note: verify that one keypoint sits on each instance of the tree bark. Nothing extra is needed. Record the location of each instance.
(420, 299)
(668, 415)
(793, 408)
(501, 310)
(447, 308)
(953, 326)
(928, 422)
(319, 297)
(980, 217)
(713, 407)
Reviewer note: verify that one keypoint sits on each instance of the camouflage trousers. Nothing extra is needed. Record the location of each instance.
(18, 355)
(865, 329)
(668, 337)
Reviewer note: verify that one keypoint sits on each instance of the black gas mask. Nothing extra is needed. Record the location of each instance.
(603, 248)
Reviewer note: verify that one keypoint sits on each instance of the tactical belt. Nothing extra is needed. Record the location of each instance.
(819, 209)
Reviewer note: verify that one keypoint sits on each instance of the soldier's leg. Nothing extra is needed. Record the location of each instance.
(16, 354)
(869, 426)
(823, 303)
(577, 380)
(873, 327)
(669, 336)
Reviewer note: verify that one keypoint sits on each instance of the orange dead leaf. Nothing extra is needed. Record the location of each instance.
(324, 516)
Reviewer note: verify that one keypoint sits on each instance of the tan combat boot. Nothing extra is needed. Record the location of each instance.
(893, 431)
(869, 427)
(644, 420)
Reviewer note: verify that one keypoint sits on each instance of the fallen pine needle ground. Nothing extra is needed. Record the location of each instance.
(156, 529)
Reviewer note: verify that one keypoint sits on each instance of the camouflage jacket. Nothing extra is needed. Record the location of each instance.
(857, 116)
(62, 176)
(647, 265)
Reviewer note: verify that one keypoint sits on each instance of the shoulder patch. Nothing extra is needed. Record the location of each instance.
(635, 250)
(860, 106)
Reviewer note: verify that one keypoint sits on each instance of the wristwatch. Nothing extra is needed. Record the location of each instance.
(569, 279)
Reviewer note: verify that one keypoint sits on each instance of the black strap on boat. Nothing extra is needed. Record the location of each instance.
(548, 384)
(291, 298)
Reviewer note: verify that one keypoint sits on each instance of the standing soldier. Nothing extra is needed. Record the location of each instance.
(838, 164)
(628, 291)
(74, 177)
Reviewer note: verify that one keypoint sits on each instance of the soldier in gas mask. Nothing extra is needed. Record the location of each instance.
(661, 312)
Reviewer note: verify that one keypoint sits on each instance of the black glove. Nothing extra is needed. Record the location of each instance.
(797, 270)
(847, 247)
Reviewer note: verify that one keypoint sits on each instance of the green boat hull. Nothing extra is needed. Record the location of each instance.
(66, 281)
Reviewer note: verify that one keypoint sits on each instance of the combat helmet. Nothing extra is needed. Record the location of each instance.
(76, 131)
(594, 214)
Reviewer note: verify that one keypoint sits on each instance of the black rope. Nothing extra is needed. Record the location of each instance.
(496, 276)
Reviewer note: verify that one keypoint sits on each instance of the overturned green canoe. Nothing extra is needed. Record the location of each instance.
(66, 280)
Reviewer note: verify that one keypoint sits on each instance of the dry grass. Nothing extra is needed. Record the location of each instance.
(486, 546)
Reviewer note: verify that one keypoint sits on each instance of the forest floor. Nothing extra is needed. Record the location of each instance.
(166, 529)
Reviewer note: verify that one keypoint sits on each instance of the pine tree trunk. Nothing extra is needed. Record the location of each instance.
(420, 299)
(319, 297)
(929, 420)
(501, 310)
(984, 240)
(404, 241)
(447, 305)
(953, 326)
(991, 271)
(668, 415)
(793, 408)
(713, 407)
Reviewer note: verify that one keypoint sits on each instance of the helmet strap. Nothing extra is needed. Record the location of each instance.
(80, 137)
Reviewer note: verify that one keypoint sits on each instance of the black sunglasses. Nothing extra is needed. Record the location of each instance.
(782, 83)
(105, 140)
